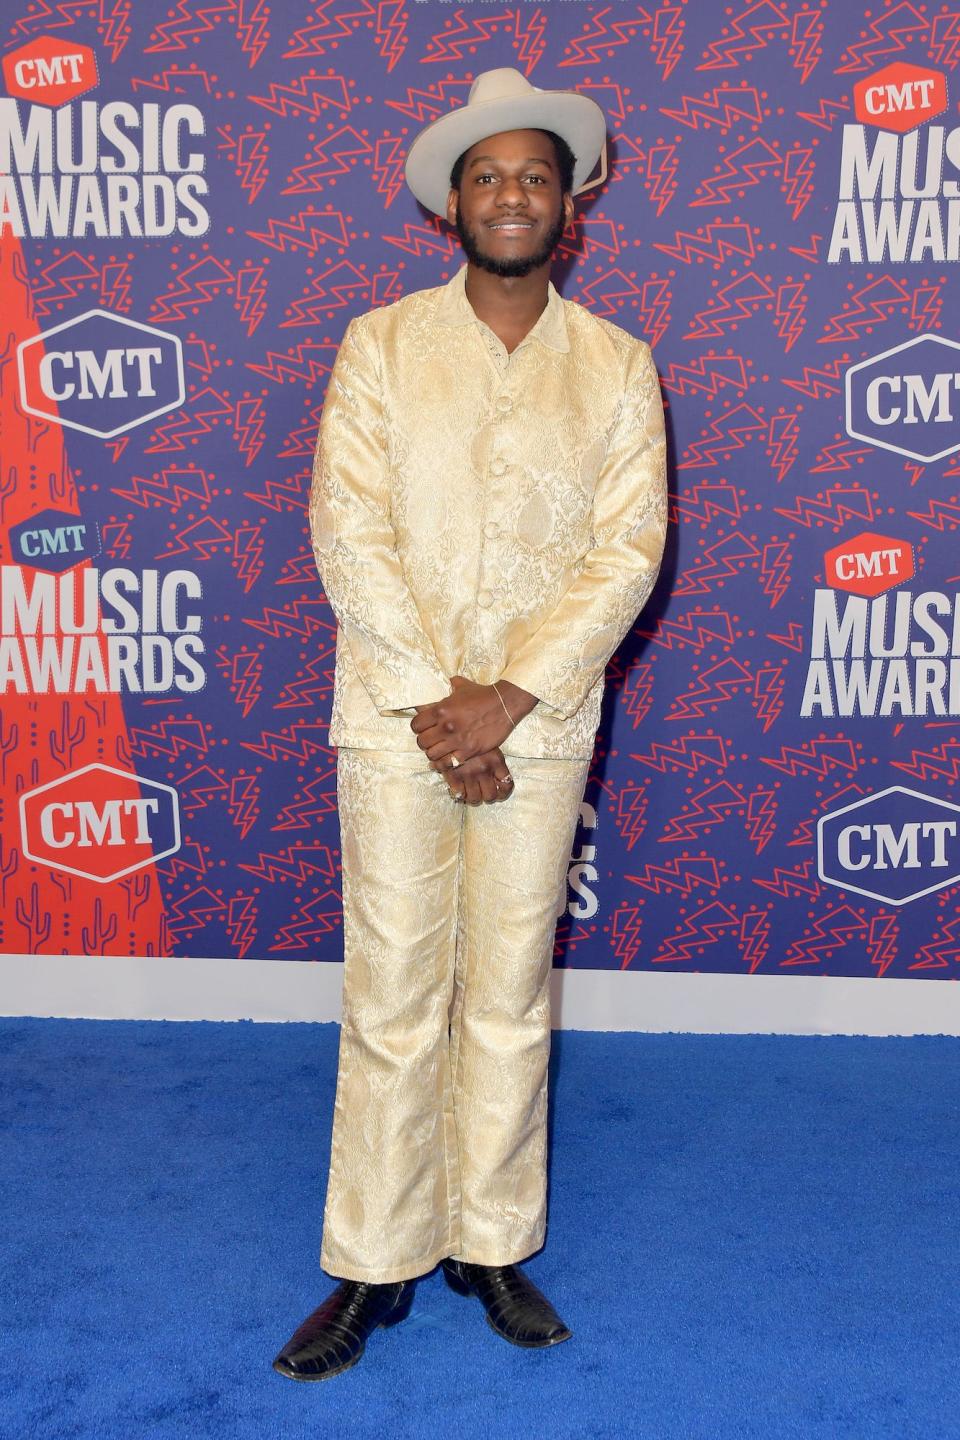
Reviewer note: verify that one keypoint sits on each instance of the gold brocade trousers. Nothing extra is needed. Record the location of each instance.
(439, 1141)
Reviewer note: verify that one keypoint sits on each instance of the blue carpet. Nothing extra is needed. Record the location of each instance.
(750, 1237)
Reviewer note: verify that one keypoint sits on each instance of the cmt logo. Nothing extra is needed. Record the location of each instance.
(54, 540)
(101, 373)
(907, 399)
(869, 564)
(894, 846)
(49, 72)
(100, 823)
(900, 97)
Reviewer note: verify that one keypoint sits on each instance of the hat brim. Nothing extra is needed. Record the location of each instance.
(576, 118)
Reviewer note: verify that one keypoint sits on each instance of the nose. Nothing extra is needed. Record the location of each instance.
(512, 194)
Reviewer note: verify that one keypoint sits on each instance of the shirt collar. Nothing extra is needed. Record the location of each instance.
(455, 309)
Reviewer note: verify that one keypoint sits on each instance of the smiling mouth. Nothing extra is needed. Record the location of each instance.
(510, 226)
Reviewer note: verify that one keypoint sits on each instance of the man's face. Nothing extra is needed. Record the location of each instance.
(510, 212)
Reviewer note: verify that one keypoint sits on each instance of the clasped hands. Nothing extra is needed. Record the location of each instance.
(468, 727)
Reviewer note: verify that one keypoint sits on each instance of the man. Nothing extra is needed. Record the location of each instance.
(488, 516)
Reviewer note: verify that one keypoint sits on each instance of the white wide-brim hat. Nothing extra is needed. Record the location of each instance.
(502, 100)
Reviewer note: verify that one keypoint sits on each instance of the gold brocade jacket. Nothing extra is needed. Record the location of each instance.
(483, 514)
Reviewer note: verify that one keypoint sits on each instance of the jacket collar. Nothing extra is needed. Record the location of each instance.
(454, 308)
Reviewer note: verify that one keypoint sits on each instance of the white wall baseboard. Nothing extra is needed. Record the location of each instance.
(137, 988)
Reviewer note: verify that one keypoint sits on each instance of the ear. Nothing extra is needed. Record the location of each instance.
(569, 210)
(453, 200)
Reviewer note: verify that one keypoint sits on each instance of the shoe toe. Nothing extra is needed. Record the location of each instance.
(532, 1333)
(285, 1366)
(520, 1312)
(318, 1360)
(554, 1335)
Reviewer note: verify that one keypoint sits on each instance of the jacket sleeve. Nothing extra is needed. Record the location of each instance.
(354, 542)
(563, 658)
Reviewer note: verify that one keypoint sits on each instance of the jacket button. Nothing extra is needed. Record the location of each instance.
(498, 467)
(504, 404)
(484, 599)
(491, 529)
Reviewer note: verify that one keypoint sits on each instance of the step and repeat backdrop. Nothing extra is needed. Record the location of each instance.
(195, 200)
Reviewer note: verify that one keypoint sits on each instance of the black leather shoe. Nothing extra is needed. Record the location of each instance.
(515, 1308)
(333, 1337)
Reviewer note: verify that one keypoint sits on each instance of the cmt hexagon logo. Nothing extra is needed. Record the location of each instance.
(894, 846)
(869, 564)
(49, 72)
(907, 399)
(900, 97)
(54, 540)
(101, 373)
(100, 823)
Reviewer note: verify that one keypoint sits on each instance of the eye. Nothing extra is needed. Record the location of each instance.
(489, 175)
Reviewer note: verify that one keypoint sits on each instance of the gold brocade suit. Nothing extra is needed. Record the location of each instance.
(498, 516)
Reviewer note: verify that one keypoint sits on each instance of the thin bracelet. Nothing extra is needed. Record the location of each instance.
(504, 704)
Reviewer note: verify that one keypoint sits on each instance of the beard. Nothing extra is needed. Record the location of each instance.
(509, 267)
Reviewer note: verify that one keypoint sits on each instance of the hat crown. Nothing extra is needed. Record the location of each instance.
(503, 84)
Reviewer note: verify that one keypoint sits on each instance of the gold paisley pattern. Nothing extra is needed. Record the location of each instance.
(449, 911)
(492, 515)
(485, 514)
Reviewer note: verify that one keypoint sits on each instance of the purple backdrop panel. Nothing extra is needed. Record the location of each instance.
(194, 206)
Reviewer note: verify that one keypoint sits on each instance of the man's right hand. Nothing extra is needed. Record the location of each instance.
(474, 780)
